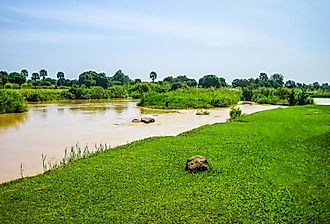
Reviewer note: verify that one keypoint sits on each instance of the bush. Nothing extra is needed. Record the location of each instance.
(191, 98)
(118, 92)
(11, 102)
(235, 113)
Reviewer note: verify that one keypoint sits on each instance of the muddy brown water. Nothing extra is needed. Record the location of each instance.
(51, 128)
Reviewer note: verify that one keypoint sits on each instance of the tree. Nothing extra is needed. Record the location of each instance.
(43, 74)
(168, 79)
(276, 80)
(25, 73)
(263, 80)
(102, 80)
(153, 76)
(3, 78)
(35, 76)
(87, 78)
(120, 78)
(209, 81)
(60, 78)
(17, 78)
(316, 85)
(290, 84)
(222, 82)
(60, 75)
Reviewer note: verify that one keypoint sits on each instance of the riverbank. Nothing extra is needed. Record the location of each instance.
(269, 168)
(66, 123)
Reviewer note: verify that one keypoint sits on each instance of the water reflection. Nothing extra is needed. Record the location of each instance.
(119, 108)
(12, 120)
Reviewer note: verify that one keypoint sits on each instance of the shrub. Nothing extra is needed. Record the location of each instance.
(235, 113)
(191, 98)
(118, 92)
(11, 102)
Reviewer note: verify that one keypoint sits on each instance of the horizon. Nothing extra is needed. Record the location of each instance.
(172, 38)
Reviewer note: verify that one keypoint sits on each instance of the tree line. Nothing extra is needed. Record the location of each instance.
(92, 78)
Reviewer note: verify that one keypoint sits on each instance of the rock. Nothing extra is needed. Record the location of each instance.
(197, 163)
(205, 112)
(135, 120)
(147, 120)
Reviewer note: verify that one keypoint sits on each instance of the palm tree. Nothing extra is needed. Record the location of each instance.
(153, 76)
(43, 74)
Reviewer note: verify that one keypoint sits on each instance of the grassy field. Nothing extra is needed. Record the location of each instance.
(191, 98)
(271, 167)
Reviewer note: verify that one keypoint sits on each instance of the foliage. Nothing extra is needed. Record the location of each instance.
(180, 81)
(284, 96)
(3, 78)
(120, 78)
(211, 81)
(191, 98)
(153, 76)
(273, 168)
(118, 92)
(16, 78)
(43, 73)
(11, 102)
(235, 113)
(36, 95)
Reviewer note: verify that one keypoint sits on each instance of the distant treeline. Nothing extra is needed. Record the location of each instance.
(16, 80)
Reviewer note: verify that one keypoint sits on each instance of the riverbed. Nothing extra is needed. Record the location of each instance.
(48, 129)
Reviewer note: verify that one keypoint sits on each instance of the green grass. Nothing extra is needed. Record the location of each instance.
(271, 167)
(11, 102)
(191, 98)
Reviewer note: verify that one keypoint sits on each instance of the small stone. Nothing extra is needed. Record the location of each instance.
(197, 163)
(205, 112)
(147, 120)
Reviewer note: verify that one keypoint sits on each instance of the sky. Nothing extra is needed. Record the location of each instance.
(232, 39)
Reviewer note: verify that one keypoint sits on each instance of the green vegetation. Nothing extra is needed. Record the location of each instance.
(235, 113)
(191, 98)
(272, 168)
(283, 95)
(11, 102)
(161, 94)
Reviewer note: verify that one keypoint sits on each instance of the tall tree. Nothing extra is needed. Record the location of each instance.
(60, 75)
(43, 74)
(60, 78)
(153, 76)
(3, 78)
(276, 80)
(290, 84)
(17, 78)
(35, 76)
(263, 80)
(209, 81)
(25, 73)
(120, 78)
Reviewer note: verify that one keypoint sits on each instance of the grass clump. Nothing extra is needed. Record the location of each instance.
(273, 168)
(235, 113)
(191, 98)
(11, 102)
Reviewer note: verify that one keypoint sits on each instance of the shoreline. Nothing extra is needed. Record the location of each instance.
(167, 124)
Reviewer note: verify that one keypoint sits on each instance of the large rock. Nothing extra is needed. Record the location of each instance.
(197, 163)
(147, 120)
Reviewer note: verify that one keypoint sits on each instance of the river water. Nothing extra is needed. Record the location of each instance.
(49, 129)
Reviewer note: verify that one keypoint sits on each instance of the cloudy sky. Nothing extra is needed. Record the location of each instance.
(193, 37)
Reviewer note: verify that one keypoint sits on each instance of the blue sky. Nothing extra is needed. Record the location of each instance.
(193, 37)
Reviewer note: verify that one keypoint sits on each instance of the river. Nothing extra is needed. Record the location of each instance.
(49, 129)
